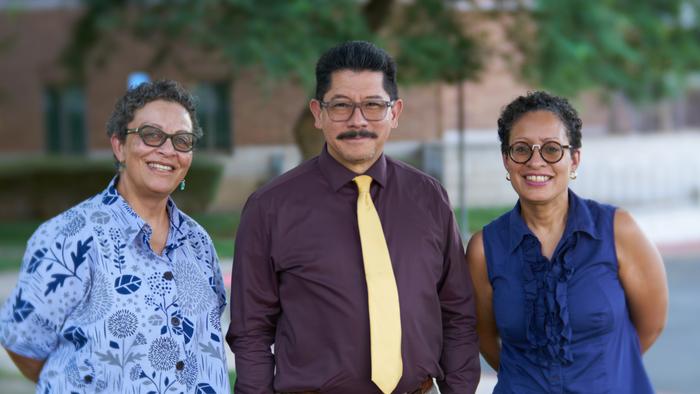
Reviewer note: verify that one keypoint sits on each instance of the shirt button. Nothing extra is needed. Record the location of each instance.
(168, 275)
(180, 365)
(88, 378)
(175, 321)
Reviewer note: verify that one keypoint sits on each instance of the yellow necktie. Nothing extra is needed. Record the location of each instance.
(382, 294)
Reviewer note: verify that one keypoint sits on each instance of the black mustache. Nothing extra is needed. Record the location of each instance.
(355, 134)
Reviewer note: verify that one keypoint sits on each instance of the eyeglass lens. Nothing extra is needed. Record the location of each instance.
(342, 110)
(551, 152)
(153, 136)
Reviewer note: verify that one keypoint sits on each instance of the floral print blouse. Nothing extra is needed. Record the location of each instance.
(111, 316)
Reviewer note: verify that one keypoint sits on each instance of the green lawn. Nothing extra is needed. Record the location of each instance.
(221, 227)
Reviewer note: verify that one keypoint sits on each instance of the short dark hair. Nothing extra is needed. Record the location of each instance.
(540, 101)
(136, 98)
(355, 56)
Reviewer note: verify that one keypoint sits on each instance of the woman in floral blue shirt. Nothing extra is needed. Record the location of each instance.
(123, 293)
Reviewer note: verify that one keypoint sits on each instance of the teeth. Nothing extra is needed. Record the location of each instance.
(537, 178)
(160, 167)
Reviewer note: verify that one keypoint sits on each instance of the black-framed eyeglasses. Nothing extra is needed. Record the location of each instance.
(183, 141)
(342, 110)
(551, 151)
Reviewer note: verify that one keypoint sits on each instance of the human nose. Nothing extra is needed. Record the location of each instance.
(357, 118)
(536, 158)
(168, 146)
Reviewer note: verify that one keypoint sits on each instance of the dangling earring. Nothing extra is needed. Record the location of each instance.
(508, 176)
(120, 166)
(182, 185)
(573, 174)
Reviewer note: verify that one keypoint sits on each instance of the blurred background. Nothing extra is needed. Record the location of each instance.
(631, 68)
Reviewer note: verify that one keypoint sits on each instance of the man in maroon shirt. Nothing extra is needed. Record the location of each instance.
(298, 280)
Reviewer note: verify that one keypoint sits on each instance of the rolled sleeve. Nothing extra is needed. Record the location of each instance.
(254, 304)
(52, 282)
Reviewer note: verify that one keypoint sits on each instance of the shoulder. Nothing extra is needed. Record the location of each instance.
(476, 258)
(407, 175)
(598, 211)
(626, 230)
(499, 226)
(289, 181)
(475, 247)
(71, 223)
(193, 228)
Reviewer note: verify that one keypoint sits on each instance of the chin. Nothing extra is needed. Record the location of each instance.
(160, 188)
(539, 196)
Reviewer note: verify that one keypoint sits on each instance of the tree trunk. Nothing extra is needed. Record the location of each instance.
(307, 137)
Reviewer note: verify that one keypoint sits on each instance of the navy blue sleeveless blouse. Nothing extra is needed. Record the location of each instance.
(564, 323)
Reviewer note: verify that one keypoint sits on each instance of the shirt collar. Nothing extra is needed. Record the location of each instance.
(132, 223)
(337, 175)
(579, 219)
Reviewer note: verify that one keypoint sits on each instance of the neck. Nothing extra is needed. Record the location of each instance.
(152, 209)
(358, 167)
(549, 217)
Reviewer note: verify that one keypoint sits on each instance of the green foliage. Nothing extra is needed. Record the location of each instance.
(281, 38)
(643, 49)
(433, 45)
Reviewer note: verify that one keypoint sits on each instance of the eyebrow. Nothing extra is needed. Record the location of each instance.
(161, 128)
(373, 97)
(544, 140)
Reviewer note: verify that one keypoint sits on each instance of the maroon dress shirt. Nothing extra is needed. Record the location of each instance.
(298, 283)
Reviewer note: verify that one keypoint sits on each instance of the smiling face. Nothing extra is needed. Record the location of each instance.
(359, 152)
(153, 172)
(537, 181)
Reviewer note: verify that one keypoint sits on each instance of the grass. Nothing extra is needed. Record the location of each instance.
(232, 378)
(221, 226)
(479, 217)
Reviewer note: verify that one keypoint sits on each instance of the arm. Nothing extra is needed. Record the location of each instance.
(29, 367)
(643, 278)
(489, 342)
(254, 304)
(460, 347)
(31, 326)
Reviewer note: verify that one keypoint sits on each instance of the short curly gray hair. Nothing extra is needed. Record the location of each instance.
(135, 98)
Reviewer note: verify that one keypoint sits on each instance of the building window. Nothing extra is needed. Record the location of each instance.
(214, 113)
(64, 118)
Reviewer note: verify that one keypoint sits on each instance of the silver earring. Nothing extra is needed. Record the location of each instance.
(120, 165)
(182, 185)
(573, 174)
(508, 176)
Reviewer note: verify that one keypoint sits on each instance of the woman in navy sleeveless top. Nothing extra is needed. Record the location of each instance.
(569, 291)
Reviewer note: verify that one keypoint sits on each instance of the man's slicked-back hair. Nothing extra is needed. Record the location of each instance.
(540, 101)
(356, 56)
(136, 98)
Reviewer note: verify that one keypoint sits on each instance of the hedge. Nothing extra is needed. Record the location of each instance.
(40, 188)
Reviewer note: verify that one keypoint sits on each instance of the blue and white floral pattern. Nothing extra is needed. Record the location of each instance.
(111, 316)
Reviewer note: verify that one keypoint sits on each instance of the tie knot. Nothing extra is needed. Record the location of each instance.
(363, 183)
